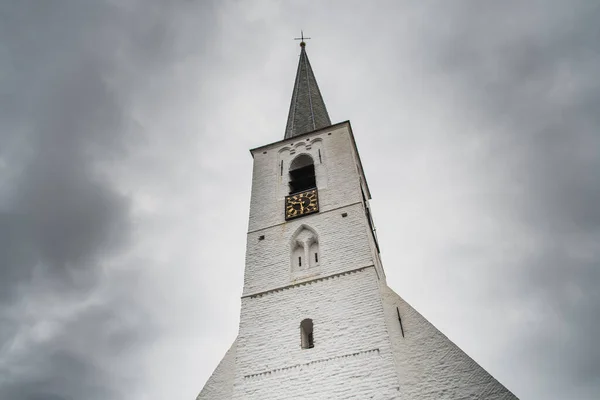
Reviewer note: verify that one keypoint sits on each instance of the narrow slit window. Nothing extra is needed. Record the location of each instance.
(306, 334)
(370, 220)
(400, 320)
(316, 257)
(299, 261)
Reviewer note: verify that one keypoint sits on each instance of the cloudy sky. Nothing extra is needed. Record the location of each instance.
(125, 179)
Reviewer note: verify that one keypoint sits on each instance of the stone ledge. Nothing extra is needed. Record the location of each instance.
(264, 374)
(321, 212)
(306, 282)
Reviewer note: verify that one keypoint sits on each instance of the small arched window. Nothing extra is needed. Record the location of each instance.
(297, 255)
(302, 174)
(313, 254)
(306, 334)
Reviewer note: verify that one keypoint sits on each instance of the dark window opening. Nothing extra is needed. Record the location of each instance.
(302, 179)
(370, 220)
(299, 261)
(302, 174)
(306, 333)
(400, 320)
(316, 257)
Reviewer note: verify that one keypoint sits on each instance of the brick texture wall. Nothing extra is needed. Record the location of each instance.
(220, 385)
(336, 171)
(430, 365)
(351, 357)
(343, 243)
(359, 352)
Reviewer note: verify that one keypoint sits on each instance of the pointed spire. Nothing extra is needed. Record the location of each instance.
(307, 110)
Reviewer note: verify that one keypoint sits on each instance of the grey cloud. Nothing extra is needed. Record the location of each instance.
(59, 376)
(522, 75)
(81, 363)
(514, 90)
(527, 77)
(69, 73)
(60, 110)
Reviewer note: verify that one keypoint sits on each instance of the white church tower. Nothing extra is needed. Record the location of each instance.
(318, 321)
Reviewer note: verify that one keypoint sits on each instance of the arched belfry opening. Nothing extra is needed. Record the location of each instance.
(302, 174)
(305, 249)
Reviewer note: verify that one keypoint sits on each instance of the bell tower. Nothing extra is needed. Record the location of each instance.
(318, 320)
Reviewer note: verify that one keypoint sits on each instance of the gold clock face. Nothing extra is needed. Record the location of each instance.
(300, 204)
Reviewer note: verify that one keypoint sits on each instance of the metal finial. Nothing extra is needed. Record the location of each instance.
(302, 38)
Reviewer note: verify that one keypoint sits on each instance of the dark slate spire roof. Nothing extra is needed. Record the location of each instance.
(307, 111)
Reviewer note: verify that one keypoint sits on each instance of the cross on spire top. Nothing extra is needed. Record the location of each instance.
(302, 38)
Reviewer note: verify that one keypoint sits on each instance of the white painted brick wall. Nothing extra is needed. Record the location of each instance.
(352, 357)
(430, 365)
(359, 352)
(337, 176)
(343, 245)
(220, 385)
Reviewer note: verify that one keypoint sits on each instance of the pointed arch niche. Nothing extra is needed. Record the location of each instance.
(305, 251)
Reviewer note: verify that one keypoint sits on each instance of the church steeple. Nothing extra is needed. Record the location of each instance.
(317, 319)
(307, 110)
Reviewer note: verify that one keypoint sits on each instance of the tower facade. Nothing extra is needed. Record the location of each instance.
(318, 320)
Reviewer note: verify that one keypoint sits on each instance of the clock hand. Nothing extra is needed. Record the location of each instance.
(294, 203)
